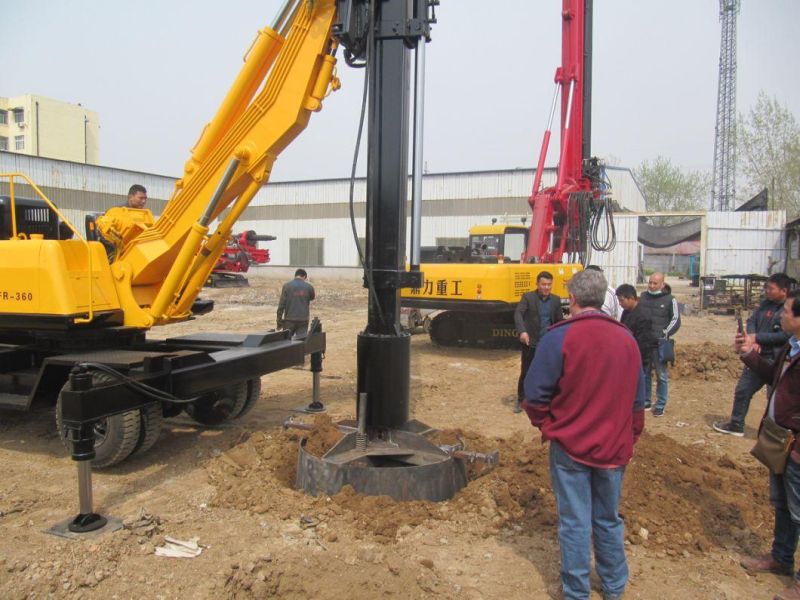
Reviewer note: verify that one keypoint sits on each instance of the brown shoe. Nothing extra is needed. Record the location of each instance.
(766, 564)
(790, 593)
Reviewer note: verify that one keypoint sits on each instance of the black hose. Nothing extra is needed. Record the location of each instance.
(138, 386)
(367, 76)
(603, 221)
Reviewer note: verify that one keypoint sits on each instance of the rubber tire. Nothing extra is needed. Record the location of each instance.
(243, 262)
(253, 394)
(121, 431)
(150, 428)
(219, 406)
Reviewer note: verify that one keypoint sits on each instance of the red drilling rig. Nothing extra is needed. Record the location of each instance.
(241, 252)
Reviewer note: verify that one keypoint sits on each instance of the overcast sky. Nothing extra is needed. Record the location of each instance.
(155, 72)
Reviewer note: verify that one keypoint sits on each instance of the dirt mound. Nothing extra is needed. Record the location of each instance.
(681, 499)
(323, 436)
(708, 362)
(677, 500)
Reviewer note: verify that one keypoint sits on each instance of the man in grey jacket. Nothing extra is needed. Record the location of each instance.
(535, 312)
(293, 307)
(765, 327)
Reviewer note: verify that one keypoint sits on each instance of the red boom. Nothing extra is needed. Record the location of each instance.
(552, 218)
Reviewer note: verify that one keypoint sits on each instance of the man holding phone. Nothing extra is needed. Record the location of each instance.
(764, 327)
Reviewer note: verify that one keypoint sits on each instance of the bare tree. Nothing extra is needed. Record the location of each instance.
(769, 146)
(668, 188)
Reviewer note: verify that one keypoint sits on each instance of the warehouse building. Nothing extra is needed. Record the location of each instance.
(311, 219)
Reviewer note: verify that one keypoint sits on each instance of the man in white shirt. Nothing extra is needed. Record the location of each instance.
(611, 304)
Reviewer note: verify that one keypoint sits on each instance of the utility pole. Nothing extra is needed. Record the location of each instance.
(723, 191)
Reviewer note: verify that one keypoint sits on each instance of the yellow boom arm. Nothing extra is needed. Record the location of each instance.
(160, 269)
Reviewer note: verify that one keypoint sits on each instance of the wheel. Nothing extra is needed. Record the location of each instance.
(221, 405)
(243, 261)
(253, 394)
(152, 420)
(115, 438)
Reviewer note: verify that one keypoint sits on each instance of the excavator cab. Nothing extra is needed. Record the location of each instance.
(497, 243)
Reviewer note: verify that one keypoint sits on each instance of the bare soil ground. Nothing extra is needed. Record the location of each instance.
(693, 499)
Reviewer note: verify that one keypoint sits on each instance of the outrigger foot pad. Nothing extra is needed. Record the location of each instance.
(87, 523)
(85, 526)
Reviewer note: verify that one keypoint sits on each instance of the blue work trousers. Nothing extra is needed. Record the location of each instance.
(588, 503)
(662, 383)
(784, 495)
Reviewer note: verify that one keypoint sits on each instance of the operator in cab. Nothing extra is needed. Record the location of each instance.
(137, 197)
(294, 305)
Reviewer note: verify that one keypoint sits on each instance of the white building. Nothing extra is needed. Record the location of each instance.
(311, 218)
(312, 223)
(39, 126)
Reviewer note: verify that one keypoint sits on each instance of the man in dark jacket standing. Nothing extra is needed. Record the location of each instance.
(765, 325)
(293, 307)
(535, 312)
(661, 308)
(585, 391)
(633, 318)
(783, 407)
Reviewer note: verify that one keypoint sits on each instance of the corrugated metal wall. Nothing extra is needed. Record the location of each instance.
(741, 243)
(452, 202)
(488, 185)
(621, 265)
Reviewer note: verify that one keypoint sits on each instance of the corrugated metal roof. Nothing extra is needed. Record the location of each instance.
(79, 176)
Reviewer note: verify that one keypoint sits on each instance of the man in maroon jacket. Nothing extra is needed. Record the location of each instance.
(783, 376)
(585, 391)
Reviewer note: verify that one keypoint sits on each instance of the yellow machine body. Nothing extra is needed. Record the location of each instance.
(160, 265)
(502, 278)
(506, 283)
(468, 295)
(52, 278)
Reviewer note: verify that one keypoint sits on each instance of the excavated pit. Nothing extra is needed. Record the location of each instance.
(677, 499)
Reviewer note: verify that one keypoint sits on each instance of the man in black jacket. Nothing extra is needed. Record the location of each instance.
(765, 325)
(661, 308)
(634, 319)
(535, 312)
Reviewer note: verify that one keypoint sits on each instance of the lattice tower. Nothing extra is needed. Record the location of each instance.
(723, 191)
